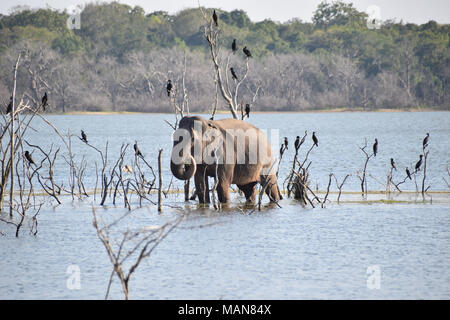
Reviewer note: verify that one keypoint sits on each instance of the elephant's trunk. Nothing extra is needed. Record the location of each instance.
(185, 170)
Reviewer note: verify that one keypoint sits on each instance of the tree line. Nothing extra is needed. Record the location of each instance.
(121, 58)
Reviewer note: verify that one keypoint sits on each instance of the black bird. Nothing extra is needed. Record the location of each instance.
(282, 150)
(393, 164)
(425, 140)
(169, 87)
(44, 100)
(247, 110)
(234, 46)
(419, 163)
(297, 143)
(137, 152)
(83, 136)
(375, 147)
(408, 174)
(286, 143)
(28, 157)
(9, 108)
(215, 18)
(315, 140)
(233, 74)
(247, 52)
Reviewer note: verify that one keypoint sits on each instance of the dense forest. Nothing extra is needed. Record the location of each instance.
(121, 58)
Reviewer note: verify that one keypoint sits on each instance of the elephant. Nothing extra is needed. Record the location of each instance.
(224, 149)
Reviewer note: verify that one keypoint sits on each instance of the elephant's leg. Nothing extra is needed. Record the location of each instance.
(201, 186)
(272, 190)
(223, 191)
(249, 191)
(207, 199)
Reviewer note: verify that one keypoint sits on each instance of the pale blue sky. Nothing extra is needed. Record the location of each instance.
(417, 11)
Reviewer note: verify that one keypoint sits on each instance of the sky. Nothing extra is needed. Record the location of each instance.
(415, 11)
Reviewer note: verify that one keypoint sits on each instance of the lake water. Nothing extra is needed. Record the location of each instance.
(279, 253)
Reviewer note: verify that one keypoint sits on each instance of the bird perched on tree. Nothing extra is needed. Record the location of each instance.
(247, 110)
(169, 87)
(282, 148)
(83, 137)
(233, 74)
(393, 164)
(419, 163)
(375, 147)
(425, 140)
(44, 100)
(247, 52)
(9, 108)
(215, 18)
(234, 46)
(286, 143)
(28, 157)
(297, 143)
(408, 174)
(137, 152)
(315, 140)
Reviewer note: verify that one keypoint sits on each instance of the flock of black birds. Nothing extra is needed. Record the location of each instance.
(297, 143)
(234, 48)
(44, 103)
(393, 164)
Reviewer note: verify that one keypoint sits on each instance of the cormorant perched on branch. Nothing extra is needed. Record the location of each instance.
(215, 18)
(375, 147)
(419, 163)
(44, 100)
(9, 108)
(29, 158)
(282, 150)
(315, 140)
(286, 143)
(234, 46)
(247, 52)
(425, 140)
(297, 143)
(169, 87)
(408, 174)
(247, 110)
(83, 137)
(233, 74)
(393, 164)
(137, 152)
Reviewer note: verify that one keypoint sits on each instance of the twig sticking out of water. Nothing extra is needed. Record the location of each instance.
(133, 247)
(328, 189)
(339, 186)
(160, 180)
(364, 172)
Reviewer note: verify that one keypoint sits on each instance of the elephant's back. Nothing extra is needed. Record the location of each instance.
(235, 124)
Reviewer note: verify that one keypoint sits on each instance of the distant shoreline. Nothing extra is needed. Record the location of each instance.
(334, 110)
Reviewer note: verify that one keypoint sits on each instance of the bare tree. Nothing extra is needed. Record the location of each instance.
(228, 88)
(131, 248)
